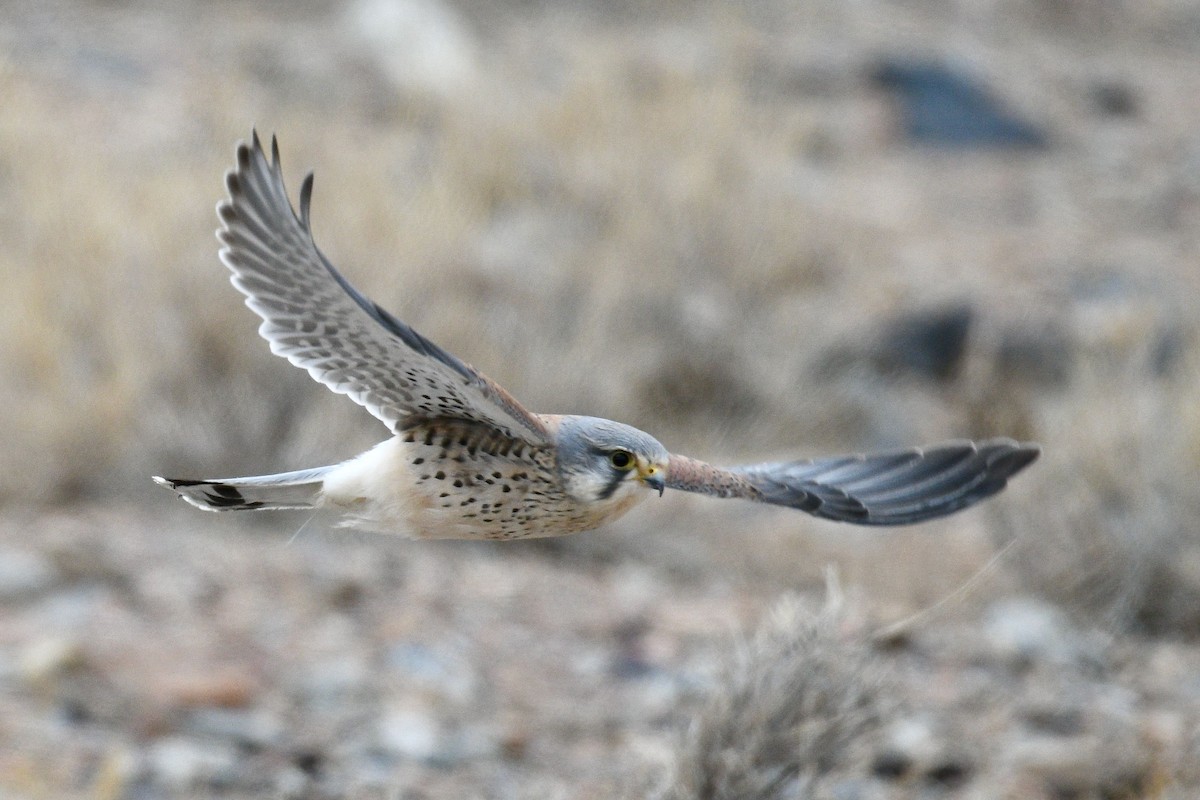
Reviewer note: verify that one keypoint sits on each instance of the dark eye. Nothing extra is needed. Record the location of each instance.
(621, 459)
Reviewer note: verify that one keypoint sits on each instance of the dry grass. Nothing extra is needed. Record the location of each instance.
(699, 213)
(120, 326)
(1115, 516)
(801, 700)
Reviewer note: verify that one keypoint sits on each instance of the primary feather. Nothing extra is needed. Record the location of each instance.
(316, 319)
(899, 487)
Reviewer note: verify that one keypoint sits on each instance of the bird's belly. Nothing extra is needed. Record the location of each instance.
(489, 499)
(437, 488)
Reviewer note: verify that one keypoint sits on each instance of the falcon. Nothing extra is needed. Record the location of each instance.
(466, 460)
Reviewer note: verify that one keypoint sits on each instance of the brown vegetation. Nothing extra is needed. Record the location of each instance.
(698, 219)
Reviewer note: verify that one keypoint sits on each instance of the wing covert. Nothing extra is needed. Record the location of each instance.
(317, 320)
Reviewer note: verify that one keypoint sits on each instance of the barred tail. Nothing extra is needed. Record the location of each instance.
(300, 489)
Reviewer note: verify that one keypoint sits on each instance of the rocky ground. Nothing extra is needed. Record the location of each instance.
(174, 656)
(757, 230)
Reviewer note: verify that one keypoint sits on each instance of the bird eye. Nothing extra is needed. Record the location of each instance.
(621, 459)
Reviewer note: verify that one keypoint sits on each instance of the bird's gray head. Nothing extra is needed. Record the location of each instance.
(597, 458)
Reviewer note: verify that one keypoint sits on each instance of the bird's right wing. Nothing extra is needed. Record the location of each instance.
(891, 488)
(313, 316)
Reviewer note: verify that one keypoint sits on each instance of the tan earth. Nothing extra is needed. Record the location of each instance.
(706, 220)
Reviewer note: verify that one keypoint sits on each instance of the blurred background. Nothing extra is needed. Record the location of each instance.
(757, 230)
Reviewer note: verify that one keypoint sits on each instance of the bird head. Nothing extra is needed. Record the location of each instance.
(599, 459)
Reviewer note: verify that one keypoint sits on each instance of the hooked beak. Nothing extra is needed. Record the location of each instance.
(652, 475)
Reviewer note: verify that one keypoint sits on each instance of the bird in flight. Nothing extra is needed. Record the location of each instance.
(466, 460)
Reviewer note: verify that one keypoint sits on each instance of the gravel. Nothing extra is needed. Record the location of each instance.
(511, 672)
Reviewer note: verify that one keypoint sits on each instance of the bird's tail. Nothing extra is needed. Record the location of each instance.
(300, 489)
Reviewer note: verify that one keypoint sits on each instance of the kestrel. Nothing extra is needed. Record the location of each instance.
(466, 459)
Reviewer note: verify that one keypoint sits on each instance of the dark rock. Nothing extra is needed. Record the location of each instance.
(1055, 720)
(928, 343)
(948, 774)
(309, 762)
(1170, 346)
(943, 108)
(1041, 355)
(251, 730)
(1115, 99)
(891, 765)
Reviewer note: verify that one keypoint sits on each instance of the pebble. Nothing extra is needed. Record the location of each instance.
(222, 688)
(180, 763)
(912, 741)
(24, 574)
(421, 45)
(48, 657)
(1026, 631)
(116, 771)
(247, 728)
(1080, 766)
(71, 607)
(858, 789)
(414, 732)
(446, 675)
(291, 782)
(330, 682)
(912, 748)
(410, 733)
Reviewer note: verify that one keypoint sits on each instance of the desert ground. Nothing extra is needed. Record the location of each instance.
(743, 227)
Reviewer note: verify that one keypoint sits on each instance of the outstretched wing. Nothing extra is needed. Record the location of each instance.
(892, 488)
(313, 316)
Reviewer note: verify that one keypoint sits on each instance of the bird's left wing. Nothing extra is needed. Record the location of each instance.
(892, 488)
(313, 316)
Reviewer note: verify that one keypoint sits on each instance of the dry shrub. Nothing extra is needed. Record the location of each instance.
(796, 704)
(1107, 525)
(121, 342)
(82, 252)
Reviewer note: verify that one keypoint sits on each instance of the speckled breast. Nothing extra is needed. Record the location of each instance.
(470, 482)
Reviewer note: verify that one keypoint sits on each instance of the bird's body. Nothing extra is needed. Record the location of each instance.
(454, 480)
(444, 480)
(466, 460)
